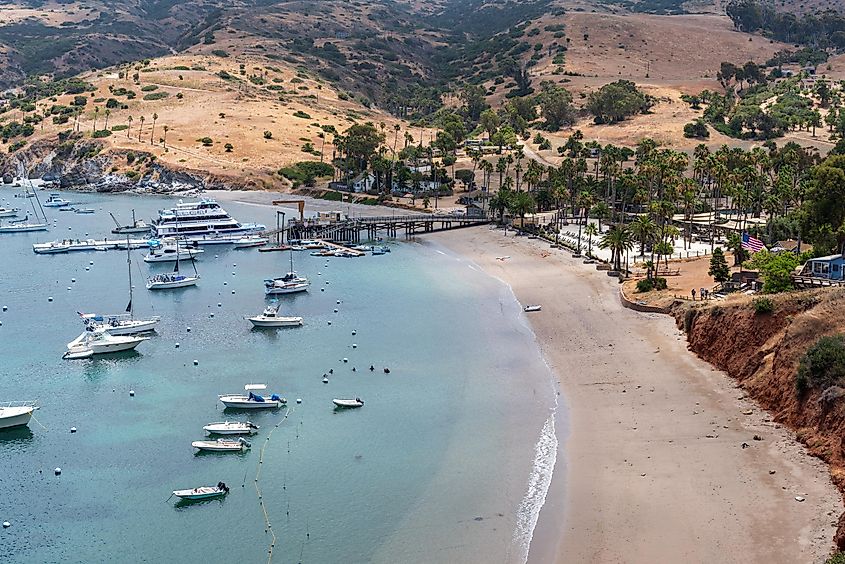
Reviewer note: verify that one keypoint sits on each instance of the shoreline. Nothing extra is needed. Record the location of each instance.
(650, 466)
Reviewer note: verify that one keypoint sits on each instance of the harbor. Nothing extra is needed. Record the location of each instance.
(398, 478)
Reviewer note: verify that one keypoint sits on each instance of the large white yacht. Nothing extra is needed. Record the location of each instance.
(199, 220)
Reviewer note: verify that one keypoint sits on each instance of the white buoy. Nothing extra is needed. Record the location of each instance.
(233, 291)
(335, 310)
(211, 315)
(73, 280)
(338, 302)
(325, 380)
(322, 289)
(87, 268)
(68, 228)
(188, 329)
(73, 429)
(131, 393)
(345, 360)
(177, 345)
(219, 304)
(235, 265)
(6, 524)
(354, 332)
(225, 283)
(1, 323)
(91, 263)
(216, 256)
(319, 273)
(298, 400)
(5, 308)
(354, 346)
(50, 298)
(330, 322)
(58, 471)
(196, 362)
(233, 273)
(68, 287)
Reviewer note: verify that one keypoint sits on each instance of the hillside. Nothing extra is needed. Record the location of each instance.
(271, 116)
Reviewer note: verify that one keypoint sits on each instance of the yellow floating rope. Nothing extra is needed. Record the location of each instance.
(288, 411)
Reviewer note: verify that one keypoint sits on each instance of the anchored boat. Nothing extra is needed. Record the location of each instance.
(221, 445)
(231, 428)
(16, 414)
(202, 492)
(252, 400)
(98, 341)
(271, 318)
(348, 403)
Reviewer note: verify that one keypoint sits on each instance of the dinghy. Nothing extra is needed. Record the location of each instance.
(348, 403)
(221, 445)
(231, 428)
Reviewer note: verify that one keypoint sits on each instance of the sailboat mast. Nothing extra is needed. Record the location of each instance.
(129, 267)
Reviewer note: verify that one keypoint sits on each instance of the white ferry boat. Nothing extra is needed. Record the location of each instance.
(204, 219)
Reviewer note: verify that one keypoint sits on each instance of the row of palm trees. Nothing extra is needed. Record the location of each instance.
(646, 187)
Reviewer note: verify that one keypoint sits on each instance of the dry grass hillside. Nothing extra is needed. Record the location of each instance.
(291, 106)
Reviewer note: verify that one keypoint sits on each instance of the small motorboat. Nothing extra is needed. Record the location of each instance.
(221, 445)
(252, 400)
(83, 210)
(348, 403)
(54, 201)
(271, 318)
(51, 248)
(8, 212)
(530, 308)
(248, 242)
(380, 250)
(231, 428)
(16, 414)
(203, 492)
(98, 341)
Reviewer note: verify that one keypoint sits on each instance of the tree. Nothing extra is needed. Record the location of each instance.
(474, 101)
(555, 106)
(735, 246)
(107, 113)
(228, 147)
(590, 230)
(153, 130)
(719, 269)
(96, 113)
(776, 270)
(489, 122)
(615, 101)
(618, 240)
(141, 128)
(521, 203)
(644, 229)
(164, 139)
(696, 130)
(500, 202)
(128, 129)
(361, 142)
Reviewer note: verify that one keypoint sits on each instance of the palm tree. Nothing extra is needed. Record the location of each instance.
(618, 240)
(644, 230)
(522, 203)
(128, 129)
(152, 132)
(500, 202)
(96, 113)
(140, 128)
(108, 113)
(164, 140)
(590, 230)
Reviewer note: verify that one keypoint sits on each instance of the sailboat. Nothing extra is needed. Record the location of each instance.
(25, 225)
(174, 279)
(290, 283)
(137, 226)
(123, 323)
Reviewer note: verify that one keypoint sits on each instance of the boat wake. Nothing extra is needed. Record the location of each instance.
(545, 456)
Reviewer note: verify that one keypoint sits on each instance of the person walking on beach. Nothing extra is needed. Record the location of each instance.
(693, 294)
(701, 293)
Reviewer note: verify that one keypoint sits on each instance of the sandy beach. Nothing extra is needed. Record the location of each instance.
(651, 467)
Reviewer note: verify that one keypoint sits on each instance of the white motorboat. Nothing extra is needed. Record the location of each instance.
(137, 226)
(252, 400)
(167, 253)
(54, 201)
(203, 492)
(120, 324)
(249, 242)
(221, 445)
(348, 403)
(16, 414)
(231, 428)
(83, 210)
(271, 318)
(52, 247)
(98, 341)
(8, 212)
(530, 308)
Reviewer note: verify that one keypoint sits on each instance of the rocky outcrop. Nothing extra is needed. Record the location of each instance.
(762, 352)
(76, 163)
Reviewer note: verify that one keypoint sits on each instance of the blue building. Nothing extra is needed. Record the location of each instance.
(827, 268)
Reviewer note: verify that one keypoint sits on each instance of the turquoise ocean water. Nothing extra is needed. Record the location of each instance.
(448, 461)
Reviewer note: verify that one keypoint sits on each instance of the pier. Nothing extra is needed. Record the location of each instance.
(371, 228)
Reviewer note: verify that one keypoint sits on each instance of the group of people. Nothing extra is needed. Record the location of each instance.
(703, 294)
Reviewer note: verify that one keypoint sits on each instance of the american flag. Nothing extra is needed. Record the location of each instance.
(749, 243)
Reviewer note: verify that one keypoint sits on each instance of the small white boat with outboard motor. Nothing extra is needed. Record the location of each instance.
(202, 492)
(271, 318)
(231, 428)
(221, 445)
(348, 403)
(16, 414)
(252, 399)
(8, 212)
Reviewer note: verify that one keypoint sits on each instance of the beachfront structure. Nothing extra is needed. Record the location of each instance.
(831, 267)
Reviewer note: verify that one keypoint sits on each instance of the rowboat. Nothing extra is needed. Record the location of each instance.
(221, 445)
(348, 403)
(203, 492)
(231, 428)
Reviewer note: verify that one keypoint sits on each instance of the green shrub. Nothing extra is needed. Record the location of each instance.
(268, 135)
(645, 285)
(660, 283)
(149, 88)
(100, 133)
(131, 174)
(306, 172)
(17, 145)
(206, 141)
(301, 114)
(763, 305)
(823, 365)
(220, 53)
(156, 96)
(838, 558)
(120, 128)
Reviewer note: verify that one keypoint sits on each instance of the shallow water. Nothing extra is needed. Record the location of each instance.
(435, 467)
